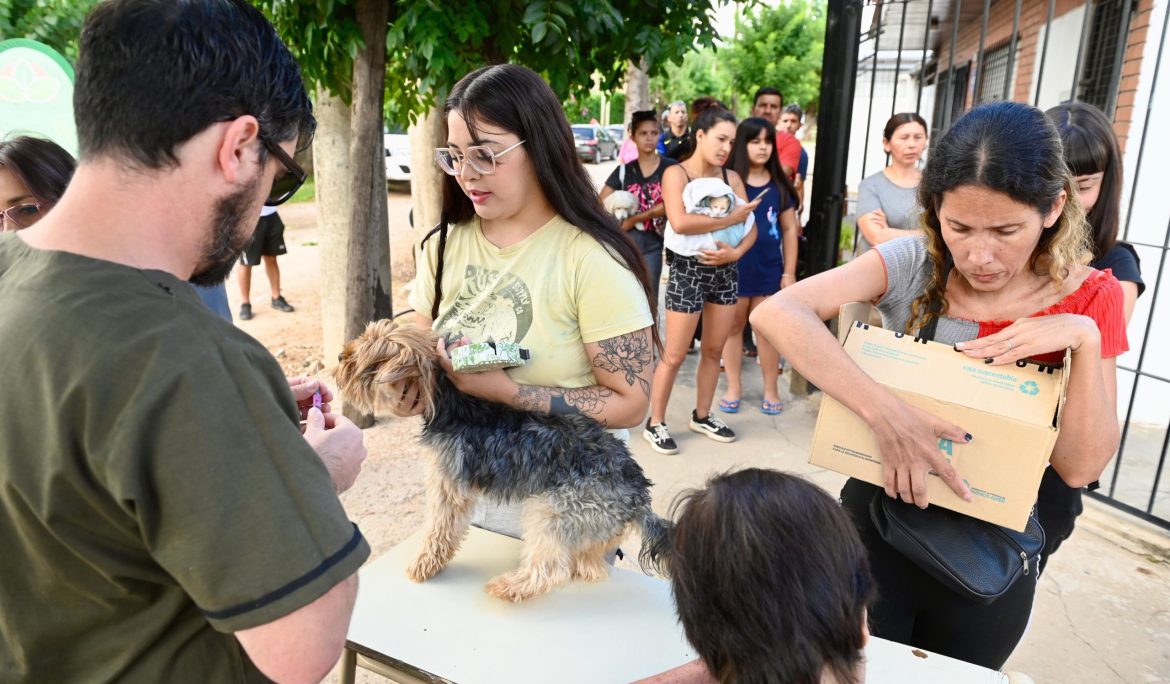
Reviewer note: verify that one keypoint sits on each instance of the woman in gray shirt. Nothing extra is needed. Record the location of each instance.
(887, 201)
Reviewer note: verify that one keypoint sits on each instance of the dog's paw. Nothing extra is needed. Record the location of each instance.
(513, 587)
(423, 568)
(590, 571)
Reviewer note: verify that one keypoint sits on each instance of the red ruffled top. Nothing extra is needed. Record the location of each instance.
(1100, 297)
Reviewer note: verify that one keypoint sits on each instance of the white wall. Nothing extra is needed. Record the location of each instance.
(1061, 59)
(1149, 223)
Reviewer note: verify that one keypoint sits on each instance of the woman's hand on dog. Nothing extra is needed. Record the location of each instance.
(493, 385)
(338, 442)
(303, 389)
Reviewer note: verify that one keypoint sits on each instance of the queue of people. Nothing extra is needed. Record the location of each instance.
(131, 535)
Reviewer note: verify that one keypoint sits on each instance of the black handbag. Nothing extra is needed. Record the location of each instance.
(974, 558)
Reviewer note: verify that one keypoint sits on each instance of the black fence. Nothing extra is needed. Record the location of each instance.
(942, 57)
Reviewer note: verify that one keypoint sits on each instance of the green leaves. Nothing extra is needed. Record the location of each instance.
(782, 47)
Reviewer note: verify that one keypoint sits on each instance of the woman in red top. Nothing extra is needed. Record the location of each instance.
(1004, 247)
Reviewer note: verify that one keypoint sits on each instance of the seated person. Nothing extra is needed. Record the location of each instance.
(771, 583)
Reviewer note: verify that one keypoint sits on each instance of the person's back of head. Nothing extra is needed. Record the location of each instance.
(1090, 147)
(152, 74)
(770, 579)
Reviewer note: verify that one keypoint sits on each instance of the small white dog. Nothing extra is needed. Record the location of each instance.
(621, 204)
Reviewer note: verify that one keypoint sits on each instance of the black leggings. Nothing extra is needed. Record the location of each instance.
(915, 609)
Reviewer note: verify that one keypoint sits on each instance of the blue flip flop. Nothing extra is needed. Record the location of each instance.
(727, 406)
(771, 408)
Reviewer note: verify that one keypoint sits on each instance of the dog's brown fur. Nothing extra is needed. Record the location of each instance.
(569, 522)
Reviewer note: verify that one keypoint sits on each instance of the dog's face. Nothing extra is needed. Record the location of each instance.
(376, 368)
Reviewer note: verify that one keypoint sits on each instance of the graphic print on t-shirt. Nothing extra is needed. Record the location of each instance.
(492, 305)
(772, 223)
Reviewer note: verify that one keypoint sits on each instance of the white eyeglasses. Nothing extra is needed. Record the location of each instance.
(481, 158)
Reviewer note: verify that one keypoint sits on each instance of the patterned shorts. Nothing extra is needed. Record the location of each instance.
(691, 284)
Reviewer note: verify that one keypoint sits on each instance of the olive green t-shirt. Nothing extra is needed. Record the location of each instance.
(156, 494)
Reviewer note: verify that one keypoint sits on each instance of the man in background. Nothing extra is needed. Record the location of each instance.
(267, 243)
(677, 131)
(767, 104)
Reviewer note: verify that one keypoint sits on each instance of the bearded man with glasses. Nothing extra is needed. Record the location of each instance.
(162, 515)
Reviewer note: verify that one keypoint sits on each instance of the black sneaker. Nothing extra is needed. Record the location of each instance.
(659, 438)
(280, 304)
(712, 428)
(245, 312)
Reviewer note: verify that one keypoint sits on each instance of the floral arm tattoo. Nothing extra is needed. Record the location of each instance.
(627, 356)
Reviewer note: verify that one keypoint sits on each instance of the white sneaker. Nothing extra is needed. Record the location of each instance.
(659, 438)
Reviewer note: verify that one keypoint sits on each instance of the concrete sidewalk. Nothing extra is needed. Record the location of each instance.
(1102, 611)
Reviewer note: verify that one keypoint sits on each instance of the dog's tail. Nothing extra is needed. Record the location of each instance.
(656, 543)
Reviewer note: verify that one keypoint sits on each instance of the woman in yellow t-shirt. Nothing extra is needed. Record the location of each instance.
(525, 252)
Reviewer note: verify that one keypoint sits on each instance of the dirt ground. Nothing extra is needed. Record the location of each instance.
(387, 500)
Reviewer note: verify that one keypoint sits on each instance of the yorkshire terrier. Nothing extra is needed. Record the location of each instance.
(582, 489)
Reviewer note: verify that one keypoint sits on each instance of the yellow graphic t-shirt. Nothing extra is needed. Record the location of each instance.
(552, 292)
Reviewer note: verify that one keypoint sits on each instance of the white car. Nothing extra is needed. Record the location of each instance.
(397, 145)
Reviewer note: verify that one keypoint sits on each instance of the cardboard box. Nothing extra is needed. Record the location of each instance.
(1011, 411)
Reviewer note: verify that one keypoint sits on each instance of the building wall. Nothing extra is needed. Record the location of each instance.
(1060, 59)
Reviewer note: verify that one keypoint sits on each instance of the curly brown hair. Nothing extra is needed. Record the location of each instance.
(1013, 149)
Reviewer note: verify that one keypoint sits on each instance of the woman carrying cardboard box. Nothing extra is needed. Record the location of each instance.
(1002, 261)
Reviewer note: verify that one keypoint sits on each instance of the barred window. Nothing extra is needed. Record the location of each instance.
(1098, 79)
(951, 101)
(995, 74)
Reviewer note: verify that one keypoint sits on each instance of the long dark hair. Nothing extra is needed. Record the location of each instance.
(748, 130)
(1013, 149)
(770, 579)
(1090, 146)
(517, 99)
(42, 165)
(705, 113)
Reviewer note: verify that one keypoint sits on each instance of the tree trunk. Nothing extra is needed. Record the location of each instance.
(367, 295)
(331, 176)
(637, 88)
(426, 179)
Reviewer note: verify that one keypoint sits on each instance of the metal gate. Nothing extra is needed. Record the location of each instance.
(940, 58)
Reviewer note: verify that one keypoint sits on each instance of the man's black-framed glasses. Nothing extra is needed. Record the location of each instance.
(284, 185)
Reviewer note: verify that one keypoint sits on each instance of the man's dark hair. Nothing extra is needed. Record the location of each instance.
(154, 73)
(767, 90)
(770, 580)
(42, 165)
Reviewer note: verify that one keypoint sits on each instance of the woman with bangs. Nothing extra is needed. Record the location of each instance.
(1094, 158)
(1000, 273)
(524, 252)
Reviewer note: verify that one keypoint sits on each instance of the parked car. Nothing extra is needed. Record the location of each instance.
(397, 145)
(594, 143)
(617, 132)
